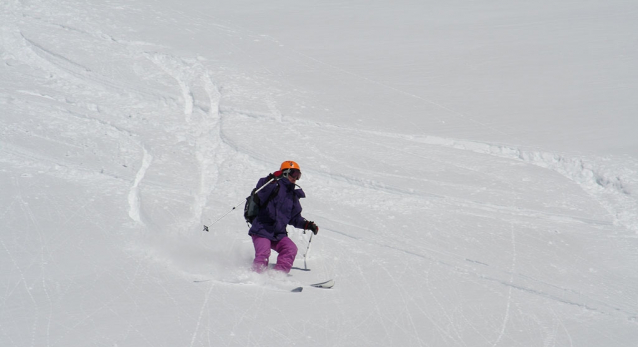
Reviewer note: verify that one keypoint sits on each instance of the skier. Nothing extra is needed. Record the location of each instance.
(279, 207)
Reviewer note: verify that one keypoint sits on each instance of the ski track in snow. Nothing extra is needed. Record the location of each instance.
(604, 184)
(595, 180)
(134, 194)
(203, 120)
(509, 290)
(598, 181)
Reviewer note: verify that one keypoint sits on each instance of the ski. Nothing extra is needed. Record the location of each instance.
(325, 285)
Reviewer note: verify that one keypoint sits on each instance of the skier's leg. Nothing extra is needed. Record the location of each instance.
(287, 252)
(262, 253)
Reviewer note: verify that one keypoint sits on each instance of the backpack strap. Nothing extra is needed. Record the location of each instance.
(274, 193)
(252, 206)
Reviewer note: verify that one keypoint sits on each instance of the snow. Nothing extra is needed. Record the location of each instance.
(472, 167)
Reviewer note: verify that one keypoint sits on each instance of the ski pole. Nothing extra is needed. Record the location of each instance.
(239, 204)
(307, 251)
(222, 217)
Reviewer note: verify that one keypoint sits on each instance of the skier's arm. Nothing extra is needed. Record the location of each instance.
(298, 221)
(301, 223)
(306, 225)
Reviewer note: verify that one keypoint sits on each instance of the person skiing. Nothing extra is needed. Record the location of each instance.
(278, 207)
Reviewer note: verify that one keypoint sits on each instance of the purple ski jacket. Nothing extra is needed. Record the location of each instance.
(281, 209)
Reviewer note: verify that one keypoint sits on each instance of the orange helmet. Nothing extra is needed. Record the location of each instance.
(289, 165)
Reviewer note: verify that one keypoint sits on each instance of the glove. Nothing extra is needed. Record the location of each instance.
(276, 175)
(312, 227)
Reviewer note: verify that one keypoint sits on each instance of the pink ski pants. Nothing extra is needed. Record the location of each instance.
(285, 247)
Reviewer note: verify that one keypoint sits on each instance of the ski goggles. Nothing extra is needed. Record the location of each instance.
(294, 173)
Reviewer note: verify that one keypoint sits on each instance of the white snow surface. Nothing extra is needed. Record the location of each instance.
(472, 166)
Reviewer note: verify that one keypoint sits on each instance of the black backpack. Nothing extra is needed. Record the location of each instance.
(251, 208)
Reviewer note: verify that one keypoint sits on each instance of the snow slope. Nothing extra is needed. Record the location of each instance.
(472, 168)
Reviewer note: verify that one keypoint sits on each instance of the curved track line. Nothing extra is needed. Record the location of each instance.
(134, 193)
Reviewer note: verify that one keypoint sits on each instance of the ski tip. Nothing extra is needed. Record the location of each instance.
(327, 284)
(297, 290)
